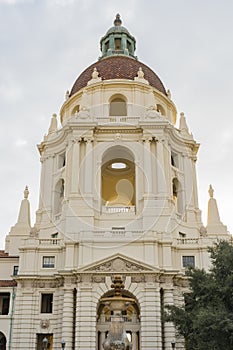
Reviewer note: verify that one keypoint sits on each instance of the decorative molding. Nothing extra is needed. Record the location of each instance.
(118, 264)
(44, 324)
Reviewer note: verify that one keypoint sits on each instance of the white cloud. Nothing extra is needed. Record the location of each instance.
(15, 2)
(20, 142)
(11, 92)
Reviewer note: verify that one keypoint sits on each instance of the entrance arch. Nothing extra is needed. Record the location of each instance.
(131, 318)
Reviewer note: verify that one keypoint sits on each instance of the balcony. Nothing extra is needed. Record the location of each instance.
(117, 210)
(118, 120)
(187, 241)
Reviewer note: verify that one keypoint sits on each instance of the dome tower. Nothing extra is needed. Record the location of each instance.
(118, 197)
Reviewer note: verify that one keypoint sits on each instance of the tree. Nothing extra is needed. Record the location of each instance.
(206, 319)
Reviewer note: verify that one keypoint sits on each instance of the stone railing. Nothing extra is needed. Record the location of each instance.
(107, 319)
(114, 210)
(187, 241)
(49, 241)
(118, 119)
(42, 242)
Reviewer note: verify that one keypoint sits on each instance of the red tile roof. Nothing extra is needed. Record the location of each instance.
(7, 283)
(3, 254)
(117, 67)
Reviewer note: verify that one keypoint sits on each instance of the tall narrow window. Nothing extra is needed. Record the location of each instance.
(47, 303)
(58, 197)
(177, 195)
(15, 270)
(4, 303)
(118, 44)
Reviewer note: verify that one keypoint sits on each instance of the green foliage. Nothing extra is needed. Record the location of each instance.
(206, 320)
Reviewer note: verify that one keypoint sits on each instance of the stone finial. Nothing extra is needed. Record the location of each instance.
(214, 224)
(53, 124)
(169, 95)
(67, 95)
(117, 22)
(26, 192)
(140, 73)
(211, 191)
(183, 125)
(140, 77)
(117, 285)
(95, 74)
(94, 77)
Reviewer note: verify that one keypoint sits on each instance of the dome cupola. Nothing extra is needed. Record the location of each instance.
(118, 41)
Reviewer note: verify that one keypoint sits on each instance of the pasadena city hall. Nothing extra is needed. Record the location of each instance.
(118, 220)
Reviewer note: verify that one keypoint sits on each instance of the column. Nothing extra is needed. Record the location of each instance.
(169, 329)
(67, 319)
(75, 168)
(134, 341)
(158, 319)
(149, 317)
(85, 317)
(102, 338)
(147, 166)
(88, 176)
(161, 176)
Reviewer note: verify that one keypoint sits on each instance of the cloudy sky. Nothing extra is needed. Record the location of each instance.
(46, 44)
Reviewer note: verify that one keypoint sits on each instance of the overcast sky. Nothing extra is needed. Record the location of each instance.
(46, 44)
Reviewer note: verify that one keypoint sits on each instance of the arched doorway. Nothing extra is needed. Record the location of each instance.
(2, 341)
(131, 318)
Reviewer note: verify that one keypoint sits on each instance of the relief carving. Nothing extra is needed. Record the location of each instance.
(120, 265)
(44, 324)
(98, 279)
(138, 279)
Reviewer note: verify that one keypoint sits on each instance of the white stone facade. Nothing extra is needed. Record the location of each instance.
(140, 220)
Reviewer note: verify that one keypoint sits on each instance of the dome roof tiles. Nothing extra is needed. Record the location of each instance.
(117, 67)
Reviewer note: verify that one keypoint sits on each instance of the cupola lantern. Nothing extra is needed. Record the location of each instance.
(118, 41)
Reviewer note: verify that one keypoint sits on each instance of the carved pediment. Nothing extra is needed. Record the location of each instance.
(118, 263)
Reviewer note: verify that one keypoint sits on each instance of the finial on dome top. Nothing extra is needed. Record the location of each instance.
(211, 191)
(26, 193)
(117, 22)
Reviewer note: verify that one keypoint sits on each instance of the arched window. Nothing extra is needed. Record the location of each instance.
(118, 106)
(177, 195)
(75, 109)
(58, 196)
(160, 109)
(2, 341)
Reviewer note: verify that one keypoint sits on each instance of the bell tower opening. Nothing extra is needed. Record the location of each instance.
(118, 180)
(177, 195)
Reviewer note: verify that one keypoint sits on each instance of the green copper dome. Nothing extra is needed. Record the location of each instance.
(118, 41)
